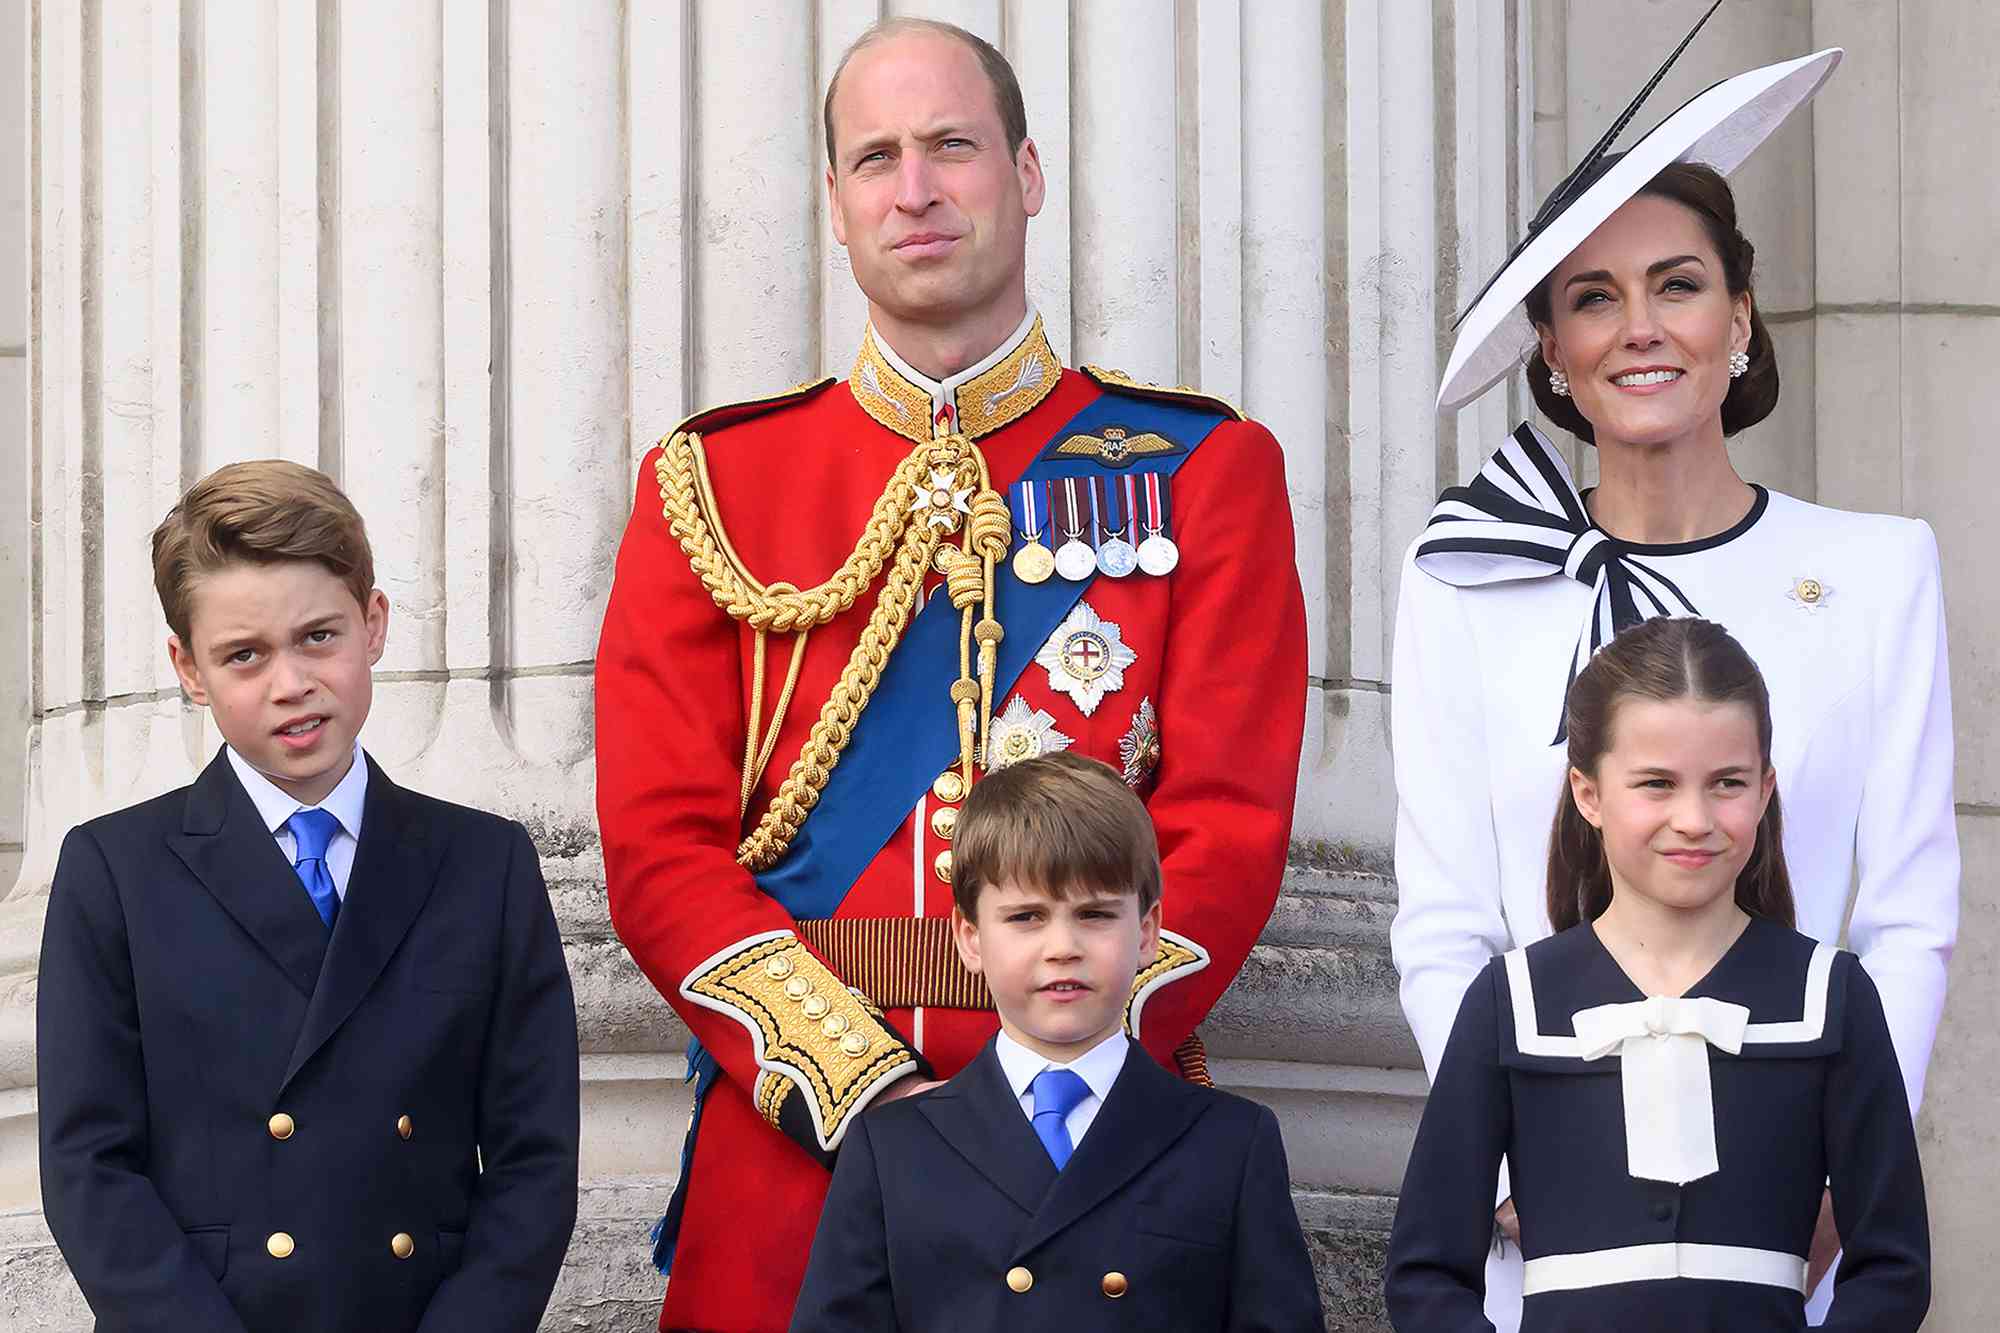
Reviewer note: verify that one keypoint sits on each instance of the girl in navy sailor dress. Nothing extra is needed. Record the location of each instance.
(1676, 1075)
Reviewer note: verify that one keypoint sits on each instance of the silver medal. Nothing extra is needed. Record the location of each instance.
(1158, 555)
(1074, 561)
(1117, 557)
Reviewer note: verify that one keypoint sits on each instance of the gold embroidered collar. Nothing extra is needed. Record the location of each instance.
(1001, 388)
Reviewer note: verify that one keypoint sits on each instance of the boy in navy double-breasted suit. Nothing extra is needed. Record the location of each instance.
(1063, 1179)
(307, 1048)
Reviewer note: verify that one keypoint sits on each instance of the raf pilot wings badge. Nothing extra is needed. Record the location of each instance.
(1116, 447)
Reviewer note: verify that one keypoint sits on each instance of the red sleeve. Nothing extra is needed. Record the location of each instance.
(1232, 718)
(670, 734)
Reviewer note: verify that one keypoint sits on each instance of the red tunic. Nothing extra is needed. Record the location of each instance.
(1220, 646)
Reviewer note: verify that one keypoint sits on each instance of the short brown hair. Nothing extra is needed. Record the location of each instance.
(1061, 823)
(262, 512)
(1666, 658)
(1006, 87)
(1703, 191)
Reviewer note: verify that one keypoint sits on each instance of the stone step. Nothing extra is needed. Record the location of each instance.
(608, 1283)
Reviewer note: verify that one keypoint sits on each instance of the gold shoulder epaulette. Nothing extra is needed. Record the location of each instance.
(729, 414)
(1117, 381)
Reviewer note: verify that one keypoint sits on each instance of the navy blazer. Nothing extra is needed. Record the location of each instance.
(1813, 1095)
(1175, 1212)
(392, 1108)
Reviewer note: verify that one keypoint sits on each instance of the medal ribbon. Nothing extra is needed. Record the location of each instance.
(1031, 528)
(1072, 511)
(1156, 505)
(1096, 523)
(1131, 504)
(1117, 513)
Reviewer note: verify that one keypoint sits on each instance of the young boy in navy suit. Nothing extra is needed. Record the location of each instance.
(307, 1048)
(1063, 1179)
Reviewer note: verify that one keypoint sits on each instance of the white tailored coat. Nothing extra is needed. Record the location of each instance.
(1861, 741)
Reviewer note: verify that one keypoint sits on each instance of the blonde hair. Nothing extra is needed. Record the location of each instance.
(1061, 823)
(262, 512)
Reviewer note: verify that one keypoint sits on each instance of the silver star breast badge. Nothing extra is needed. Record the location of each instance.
(1140, 746)
(1086, 658)
(1022, 732)
(1809, 594)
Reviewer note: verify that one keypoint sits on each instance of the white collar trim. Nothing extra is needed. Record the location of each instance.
(1810, 1027)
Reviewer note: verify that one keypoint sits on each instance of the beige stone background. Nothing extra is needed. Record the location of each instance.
(471, 256)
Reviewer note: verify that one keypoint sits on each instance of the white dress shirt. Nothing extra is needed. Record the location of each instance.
(344, 803)
(1098, 1067)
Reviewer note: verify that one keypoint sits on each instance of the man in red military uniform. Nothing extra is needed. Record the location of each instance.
(837, 606)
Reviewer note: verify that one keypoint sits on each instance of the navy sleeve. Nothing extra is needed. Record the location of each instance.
(524, 1207)
(1436, 1274)
(1884, 1283)
(1272, 1288)
(126, 1250)
(847, 1287)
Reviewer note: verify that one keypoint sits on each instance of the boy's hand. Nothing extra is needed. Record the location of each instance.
(1508, 1221)
(1825, 1245)
(909, 1085)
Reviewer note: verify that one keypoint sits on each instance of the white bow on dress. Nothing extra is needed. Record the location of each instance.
(1662, 1045)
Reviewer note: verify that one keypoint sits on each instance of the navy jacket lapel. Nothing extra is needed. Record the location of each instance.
(979, 1116)
(1146, 1113)
(394, 872)
(224, 843)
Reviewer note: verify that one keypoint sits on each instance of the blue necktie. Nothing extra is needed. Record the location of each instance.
(1057, 1091)
(312, 830)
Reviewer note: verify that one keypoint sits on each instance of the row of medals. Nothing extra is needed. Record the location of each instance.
(1076, 560)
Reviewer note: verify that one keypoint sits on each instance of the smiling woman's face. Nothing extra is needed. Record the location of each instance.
(1643, 325)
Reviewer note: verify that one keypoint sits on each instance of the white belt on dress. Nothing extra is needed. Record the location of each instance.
(1654, 1263)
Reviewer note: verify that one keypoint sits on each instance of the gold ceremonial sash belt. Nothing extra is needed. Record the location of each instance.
(899, 962)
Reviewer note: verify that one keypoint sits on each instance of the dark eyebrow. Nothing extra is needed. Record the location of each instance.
(329, 620)
(1653, 270)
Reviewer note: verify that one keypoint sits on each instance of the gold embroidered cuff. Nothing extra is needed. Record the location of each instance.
(1179, 958)
(809, 1032)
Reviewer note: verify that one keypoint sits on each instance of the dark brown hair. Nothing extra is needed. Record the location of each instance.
(1060, 823)
(262, 512)
(1665, 659)
(1006, 88)
(1703, 191)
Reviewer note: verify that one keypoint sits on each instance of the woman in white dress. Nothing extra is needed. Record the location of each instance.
(1636, 287)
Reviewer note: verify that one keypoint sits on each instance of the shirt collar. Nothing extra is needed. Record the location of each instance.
(1097, 1066)
(998, 389)
(274, 806)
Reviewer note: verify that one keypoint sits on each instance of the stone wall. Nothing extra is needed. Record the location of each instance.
(472, 258)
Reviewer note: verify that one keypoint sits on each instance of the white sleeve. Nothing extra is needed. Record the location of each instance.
(1906, 843)
(1449, 919)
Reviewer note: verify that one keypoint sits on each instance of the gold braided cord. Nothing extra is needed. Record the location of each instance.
(688, 503)
(894, 537)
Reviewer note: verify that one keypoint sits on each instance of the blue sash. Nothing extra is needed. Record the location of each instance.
(908, 734)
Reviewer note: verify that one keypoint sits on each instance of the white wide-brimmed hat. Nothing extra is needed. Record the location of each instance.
(1720, 127)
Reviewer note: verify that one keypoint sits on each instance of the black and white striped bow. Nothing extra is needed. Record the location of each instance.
(1522, 518)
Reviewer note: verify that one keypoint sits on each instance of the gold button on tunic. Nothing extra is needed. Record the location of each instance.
(401, 1245)
(279, 1245)
(1019, 1279)
(282, 1126)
